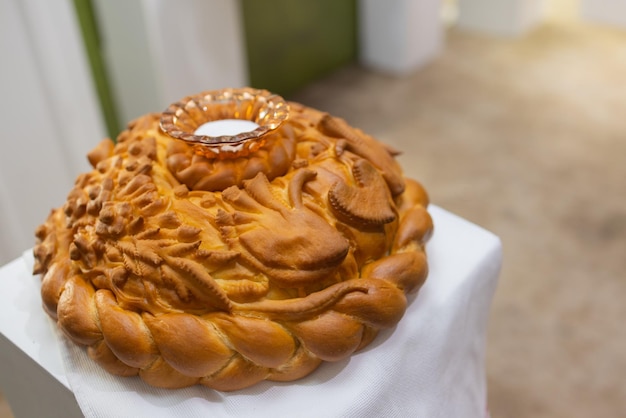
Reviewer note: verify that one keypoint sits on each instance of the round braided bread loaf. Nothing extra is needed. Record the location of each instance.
(224, 272)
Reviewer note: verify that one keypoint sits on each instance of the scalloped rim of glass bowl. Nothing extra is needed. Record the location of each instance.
(181, 119)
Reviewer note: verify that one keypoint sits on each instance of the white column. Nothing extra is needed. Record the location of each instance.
(612, 12)
(399, 36)
(49, 115)
(500, 17)
(159, 51)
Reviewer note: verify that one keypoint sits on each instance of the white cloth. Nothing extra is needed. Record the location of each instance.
(430, 365)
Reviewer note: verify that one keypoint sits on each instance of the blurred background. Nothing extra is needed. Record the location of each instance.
(510, 112)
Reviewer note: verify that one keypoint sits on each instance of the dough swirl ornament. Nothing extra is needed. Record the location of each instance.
(223, 261)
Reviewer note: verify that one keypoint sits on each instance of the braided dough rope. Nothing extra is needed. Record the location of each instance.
(224, 273)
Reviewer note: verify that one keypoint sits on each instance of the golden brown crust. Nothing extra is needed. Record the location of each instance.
(186, 271)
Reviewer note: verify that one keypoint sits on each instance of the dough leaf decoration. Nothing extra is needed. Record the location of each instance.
(290, 243)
